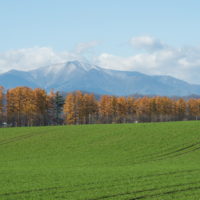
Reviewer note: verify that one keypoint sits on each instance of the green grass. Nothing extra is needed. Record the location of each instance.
(153, 161)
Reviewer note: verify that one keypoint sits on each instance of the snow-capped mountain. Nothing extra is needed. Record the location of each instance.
(75, 75)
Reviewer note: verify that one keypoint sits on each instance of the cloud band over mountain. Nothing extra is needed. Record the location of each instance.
(153, 57)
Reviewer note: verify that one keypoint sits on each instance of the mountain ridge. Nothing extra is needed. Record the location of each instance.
(75, 75)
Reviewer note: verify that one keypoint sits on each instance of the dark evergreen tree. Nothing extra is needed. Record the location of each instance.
(59, 103)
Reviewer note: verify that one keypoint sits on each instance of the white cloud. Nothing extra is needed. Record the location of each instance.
(182, 63)
(83, 47)
(147, 43)
(30, 58)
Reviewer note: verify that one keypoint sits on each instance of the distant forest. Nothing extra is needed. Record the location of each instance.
(23, 106)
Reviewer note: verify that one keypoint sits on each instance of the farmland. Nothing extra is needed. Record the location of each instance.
(96, 162)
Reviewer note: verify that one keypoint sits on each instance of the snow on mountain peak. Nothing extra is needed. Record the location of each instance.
(82, 65)
(67, 67)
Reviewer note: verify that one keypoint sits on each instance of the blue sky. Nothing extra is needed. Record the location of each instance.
(101, 29)
(62, 24)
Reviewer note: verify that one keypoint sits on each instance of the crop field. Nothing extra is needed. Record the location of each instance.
(153, 161)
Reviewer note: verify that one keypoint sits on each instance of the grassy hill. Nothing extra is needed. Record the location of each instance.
(95, 162)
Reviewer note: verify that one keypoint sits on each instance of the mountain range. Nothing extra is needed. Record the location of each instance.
(75, 75)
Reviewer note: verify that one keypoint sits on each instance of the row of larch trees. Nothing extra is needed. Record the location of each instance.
(80, 108)
(83, 109)
(23, 106)
(1, 104)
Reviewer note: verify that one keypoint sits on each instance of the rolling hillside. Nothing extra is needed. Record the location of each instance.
(96, 162)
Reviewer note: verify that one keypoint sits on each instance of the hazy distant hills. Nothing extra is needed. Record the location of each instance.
(76, 75)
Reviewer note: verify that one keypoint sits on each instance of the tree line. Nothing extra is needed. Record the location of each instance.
(23, 106)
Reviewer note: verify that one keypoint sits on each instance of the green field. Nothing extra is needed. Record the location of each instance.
(157, 161)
